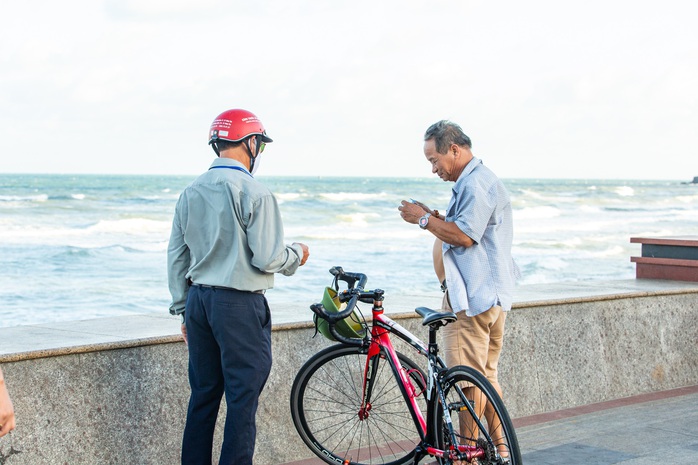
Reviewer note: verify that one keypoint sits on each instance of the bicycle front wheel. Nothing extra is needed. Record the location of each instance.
(480, 421)
(326, 406)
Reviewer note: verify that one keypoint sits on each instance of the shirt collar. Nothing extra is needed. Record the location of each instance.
(227, 162)
(469, 168)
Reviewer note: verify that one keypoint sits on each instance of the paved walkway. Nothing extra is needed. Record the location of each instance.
(659, 428)
(649, 429)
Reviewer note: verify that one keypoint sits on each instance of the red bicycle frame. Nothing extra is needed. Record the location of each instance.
(381, 343)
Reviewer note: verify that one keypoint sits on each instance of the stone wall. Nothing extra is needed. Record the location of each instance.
(125, 403)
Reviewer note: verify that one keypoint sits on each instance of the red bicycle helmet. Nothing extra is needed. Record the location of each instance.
(236, 125)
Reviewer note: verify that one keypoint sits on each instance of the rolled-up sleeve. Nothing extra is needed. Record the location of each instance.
(474, 210)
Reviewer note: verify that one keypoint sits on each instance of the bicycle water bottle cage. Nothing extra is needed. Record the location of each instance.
(351, 326)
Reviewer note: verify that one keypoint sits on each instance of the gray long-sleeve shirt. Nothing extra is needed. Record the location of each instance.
(227, 231)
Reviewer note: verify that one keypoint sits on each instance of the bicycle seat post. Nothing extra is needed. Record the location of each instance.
(433, 346)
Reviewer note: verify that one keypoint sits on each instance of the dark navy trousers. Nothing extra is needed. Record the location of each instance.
(229, 334)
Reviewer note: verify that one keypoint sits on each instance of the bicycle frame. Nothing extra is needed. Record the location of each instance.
(380, 342)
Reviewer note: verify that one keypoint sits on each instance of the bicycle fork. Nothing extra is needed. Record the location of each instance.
(371, 368)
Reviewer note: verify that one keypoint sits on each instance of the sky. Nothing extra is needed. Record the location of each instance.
(544, 88)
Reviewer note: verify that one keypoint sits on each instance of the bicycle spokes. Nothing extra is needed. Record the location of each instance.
(335, 421)
(364, 403)
(473, 422)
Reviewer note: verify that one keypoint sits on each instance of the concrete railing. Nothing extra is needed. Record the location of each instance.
(123, 400)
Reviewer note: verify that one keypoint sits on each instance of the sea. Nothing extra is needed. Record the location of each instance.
(75, 247)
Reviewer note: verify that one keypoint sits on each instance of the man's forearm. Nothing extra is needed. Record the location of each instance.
(448, 232)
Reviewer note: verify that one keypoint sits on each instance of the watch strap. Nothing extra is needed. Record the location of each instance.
(424, 221)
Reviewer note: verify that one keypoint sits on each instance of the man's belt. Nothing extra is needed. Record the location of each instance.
(222, 288)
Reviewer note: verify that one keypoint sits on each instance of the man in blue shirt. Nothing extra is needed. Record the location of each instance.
(475, 237)
(227, 243)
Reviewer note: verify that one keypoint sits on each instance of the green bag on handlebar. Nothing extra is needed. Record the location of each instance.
(349, 327)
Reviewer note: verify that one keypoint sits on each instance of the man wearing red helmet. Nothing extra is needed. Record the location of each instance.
(225, 247)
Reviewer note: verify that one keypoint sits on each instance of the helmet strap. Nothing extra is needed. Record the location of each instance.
(215, 149)
(249, 151)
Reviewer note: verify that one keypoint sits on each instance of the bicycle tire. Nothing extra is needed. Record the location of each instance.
(325, 403)
(497, 437)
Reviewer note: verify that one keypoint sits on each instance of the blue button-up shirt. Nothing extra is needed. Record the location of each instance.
(482, 275)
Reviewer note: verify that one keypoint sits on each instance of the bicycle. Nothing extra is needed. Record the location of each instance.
(361, 402)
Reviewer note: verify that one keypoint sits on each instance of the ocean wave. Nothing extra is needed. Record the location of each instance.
(110, 246)
(372, 236)
(131, 226)
(135, 232)
(533, 247)
(289, 196)
(611, 251)
(354, 196)
(68, 197)
(157, 198)
(358, 219)
(530, 196)
(626, 208)
(536, 213)
(624, 191)
(593, 209)
(692, 199)
(530, 193)
(100, 259)
(684, 216)
(553, 263)
(24, 198)
(32, 233)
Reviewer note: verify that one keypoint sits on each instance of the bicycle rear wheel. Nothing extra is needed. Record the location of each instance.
(326, 400)
(479, 419)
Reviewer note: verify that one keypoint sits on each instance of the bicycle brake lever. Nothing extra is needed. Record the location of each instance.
(336, 271)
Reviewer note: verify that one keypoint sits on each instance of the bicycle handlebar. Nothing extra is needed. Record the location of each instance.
(320, 311)
(351, 296)
(349, 278)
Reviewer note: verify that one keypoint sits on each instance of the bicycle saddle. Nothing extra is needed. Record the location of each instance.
(430, 316)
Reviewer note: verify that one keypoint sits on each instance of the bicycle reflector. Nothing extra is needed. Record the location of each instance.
(349, 327)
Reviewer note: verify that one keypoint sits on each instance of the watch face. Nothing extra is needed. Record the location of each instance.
(423, 221)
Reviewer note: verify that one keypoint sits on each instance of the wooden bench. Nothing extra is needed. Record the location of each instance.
(674, 258)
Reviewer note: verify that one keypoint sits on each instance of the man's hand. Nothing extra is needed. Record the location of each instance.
(306, 252)
(7, 411)
(412, 212)
(184, 333)
(446, 231)
(420, 204)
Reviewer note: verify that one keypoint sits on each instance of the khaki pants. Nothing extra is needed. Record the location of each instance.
(475, 341)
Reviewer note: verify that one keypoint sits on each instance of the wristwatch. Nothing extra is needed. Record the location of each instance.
(424, 221)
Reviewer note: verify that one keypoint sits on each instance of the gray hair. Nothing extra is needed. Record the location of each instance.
(446, 133)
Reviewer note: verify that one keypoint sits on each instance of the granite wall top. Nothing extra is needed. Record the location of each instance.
(38, 341)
